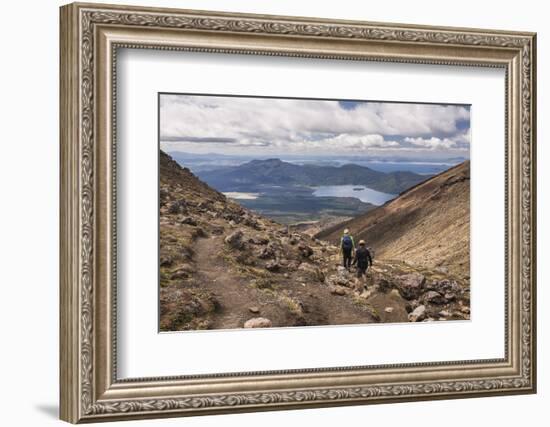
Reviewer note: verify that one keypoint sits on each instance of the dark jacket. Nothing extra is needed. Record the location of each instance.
(362, 258)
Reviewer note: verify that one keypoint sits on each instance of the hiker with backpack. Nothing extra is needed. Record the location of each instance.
(347, 246)
(363, 259)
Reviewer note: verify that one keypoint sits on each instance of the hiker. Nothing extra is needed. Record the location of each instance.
(347, 246)
(363, 259)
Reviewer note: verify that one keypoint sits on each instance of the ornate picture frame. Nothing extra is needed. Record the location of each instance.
(90, 37)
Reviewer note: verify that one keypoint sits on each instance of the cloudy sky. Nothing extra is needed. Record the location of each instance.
(278, 126)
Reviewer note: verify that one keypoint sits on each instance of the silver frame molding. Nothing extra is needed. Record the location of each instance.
(90, 37)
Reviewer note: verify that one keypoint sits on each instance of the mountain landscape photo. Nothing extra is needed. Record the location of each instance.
(252, 213)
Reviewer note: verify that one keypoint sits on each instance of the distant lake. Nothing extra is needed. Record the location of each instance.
(360, 192)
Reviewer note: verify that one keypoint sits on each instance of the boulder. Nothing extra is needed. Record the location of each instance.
(449, 296)
(198, 232)
(290, 264)
(204, 324)
(444, 286)
(337, 290)
(218, 231)
(283, 231)
(250, 221)
(341, 278)
(235, 239)
(305, 250)
(433, 297)
(410, 305)
(258, 322)
(340, 270)
(312, 272)
(204, 205)
(266, 253)
(182, 272)
(273, 265)
(254, 310)
(177, 207)
(232, 218)
(418, 314)
(465, 310)
(259, 240)
(411, 285)
(341, 281)
(383, 285)
(166, 261)
(188, 220)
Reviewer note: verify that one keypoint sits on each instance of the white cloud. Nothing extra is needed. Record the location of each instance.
(346, 141)
(419, 119)
(460, 141)
(432, 142)
(203, 123)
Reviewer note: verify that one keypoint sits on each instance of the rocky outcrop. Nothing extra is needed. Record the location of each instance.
(410, 286)
(235, 239)
(418, 314)
(258, 322)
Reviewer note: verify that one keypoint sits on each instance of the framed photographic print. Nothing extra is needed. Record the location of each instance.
(266, 212)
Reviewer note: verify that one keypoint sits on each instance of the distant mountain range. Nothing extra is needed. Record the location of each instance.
(275, 172)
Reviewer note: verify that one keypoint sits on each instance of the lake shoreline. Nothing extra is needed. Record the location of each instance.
(361, 192)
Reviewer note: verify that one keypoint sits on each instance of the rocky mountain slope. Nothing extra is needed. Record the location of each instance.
(428, 225)
(277, 172)
(223, 266)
